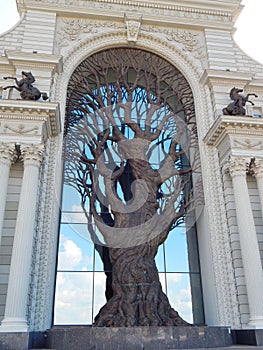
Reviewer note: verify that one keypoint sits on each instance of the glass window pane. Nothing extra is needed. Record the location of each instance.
(99, 292)
(75, 252)
(71, 200)
(159, 259)
(179, 294)
(163, 281)
(176, 254)
(73, 301)
(98, 261)
(72, 217)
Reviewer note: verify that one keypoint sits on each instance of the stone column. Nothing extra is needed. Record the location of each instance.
(248, 242)
(7, 155)
(15, 318)
(258, 172)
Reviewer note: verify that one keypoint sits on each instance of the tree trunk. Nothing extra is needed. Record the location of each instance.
(138, 299)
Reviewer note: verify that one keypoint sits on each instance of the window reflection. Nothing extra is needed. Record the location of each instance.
(80, 285)
(73, 301)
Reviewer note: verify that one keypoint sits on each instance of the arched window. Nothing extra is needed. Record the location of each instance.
(131, 162)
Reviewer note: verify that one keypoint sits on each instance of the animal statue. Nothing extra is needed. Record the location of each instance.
(237, 107)
(25, 87)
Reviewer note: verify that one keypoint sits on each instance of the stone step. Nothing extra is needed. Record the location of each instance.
(235, 347)
(138, 338)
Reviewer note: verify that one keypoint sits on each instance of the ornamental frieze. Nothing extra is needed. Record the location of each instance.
(190, 41)
(161, 9)
(72, 29)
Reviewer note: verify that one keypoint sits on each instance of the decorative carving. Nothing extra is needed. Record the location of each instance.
(43, 263)
(27, 119)
(133, 27)
(21, 129)
(248, 144)
(8, 153)
(256, 167)
(32, 154)
(150, 7)
(220, 244)
(26, 88)
(73, 28)
(238, 166)
(189, 41)
(237, 107)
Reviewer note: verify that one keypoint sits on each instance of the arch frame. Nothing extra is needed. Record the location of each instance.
(221, 275)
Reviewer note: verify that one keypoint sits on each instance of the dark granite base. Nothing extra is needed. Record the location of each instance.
(248, 336)
(137, 338)
(14, 341)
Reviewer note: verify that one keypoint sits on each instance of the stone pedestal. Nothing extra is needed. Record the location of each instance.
(137, 338)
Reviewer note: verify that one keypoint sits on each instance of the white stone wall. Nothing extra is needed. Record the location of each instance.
(13, 39)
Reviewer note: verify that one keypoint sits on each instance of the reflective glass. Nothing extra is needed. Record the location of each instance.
(73, 300)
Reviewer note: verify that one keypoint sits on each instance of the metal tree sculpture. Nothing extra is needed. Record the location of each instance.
(129, 133)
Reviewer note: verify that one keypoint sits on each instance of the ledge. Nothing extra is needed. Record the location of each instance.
(212, 76)
(36, 60)
(224, 124)
(26, 119)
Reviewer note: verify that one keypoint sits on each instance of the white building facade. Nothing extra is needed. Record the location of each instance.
(52, 38)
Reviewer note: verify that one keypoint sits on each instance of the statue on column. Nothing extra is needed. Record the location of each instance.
(237, 107)
(26, 88)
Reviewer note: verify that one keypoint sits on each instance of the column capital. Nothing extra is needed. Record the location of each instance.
(8, 153)
(32, 154)
(257, 168)
(237, 166)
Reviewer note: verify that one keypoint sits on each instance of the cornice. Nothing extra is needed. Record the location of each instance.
(205, 13)
(235, 125)
(221, 8)
(28, 113)
(34, 60)
(214, 76)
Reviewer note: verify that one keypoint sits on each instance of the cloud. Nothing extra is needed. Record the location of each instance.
(74, 297)
(182, 302)
(74, 290)
(70, 255)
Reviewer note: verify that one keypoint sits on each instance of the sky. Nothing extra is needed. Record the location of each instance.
(248, 25)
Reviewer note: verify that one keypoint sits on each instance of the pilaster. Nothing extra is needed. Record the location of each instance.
(248, 240)
(7, 156)
(238, 141)
(17, 294)
(257, 170)
(28, 125)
